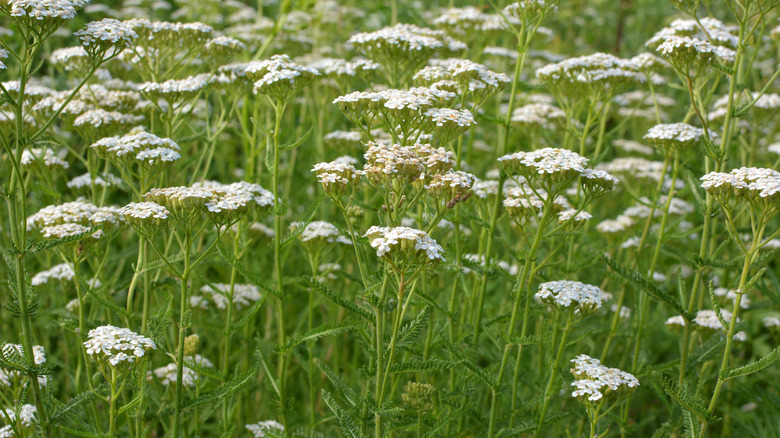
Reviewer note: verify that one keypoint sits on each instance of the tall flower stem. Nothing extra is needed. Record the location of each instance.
(183, 323)
(280, 308)
(743, 280)
(519, 292)
(553, 375)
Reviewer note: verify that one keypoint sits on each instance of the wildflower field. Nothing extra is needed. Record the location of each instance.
(352, 218)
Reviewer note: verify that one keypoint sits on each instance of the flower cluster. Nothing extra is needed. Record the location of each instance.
(574, 296)
(243, 294)
(595, 381)
(759, 187)
(100, 36)
(559, 166)
(281, 78)
(336, 176)
(146, 149)
(463, 76)
(598, 69)
(117, 346)
(404, 243)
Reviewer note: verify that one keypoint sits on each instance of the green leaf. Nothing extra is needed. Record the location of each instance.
(344, 392)
(44, 245)
(249, 314)
(410, 332)
(303, 221)
(329, 294)
(327, 329)
(348, 425)
(297, 143)
(756, 366)
(417, 365)
(241, 269)
(716, 306)
(690, 425)
(648, 286)
(222, 391)
(683, 398)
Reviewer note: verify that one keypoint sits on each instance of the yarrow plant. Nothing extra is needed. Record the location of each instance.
(389, 219)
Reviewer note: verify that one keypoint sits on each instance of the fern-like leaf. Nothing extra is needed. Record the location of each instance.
(329, 294)
(756, 366)
(683, 398)
(648, 286)
(416, 365)
(221, 391)
(327, 329)
(410, 332)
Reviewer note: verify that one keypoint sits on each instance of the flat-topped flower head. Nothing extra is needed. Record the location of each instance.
(342, 69)
(182, 199)
(690, 55)
(468, 77)
(71, 58)
(760, 187)
(451, 187)
(597, 182)
(24, 416)
(72, 219)
(281, 77)
(260, 430)
(143, 148)
(469, 22)
(707, 320)
(573, 218)
(167, 375)
(583, 74)
(448, 124)
(317, 235)
(175, 90)
(43, 157)
(385, 163)
(106, 122)
(163, 34)
(552, 164)
(485, 189)
(404, 245)
(337, 176)
(61, 272)
(243, 294)
(677, 136)
(223, 47)
(98, 37)
(117, 346)
(615, 227)
(595, 382)
(522, 203)
(145, 217)
(571, 296)
(404, 44)
(46, 14)
(538, 116)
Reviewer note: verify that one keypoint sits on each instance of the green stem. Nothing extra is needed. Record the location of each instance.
(553, 374)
